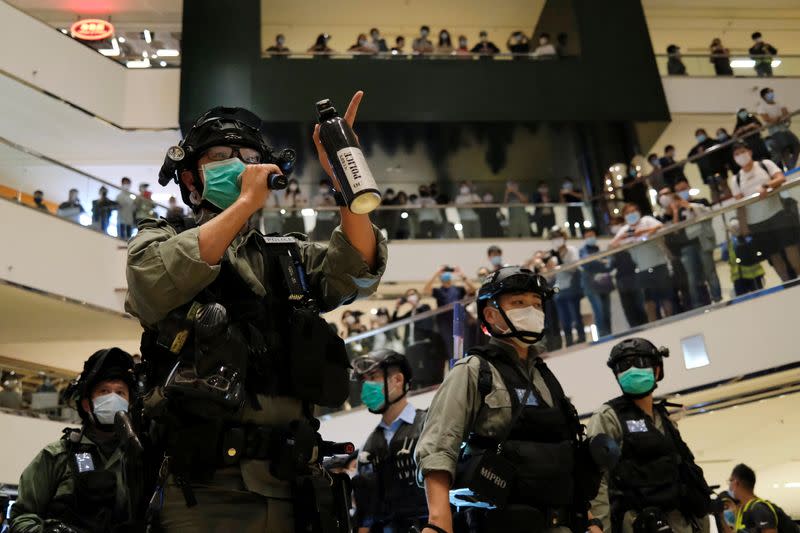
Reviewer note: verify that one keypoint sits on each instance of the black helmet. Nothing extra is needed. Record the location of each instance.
(383, 359)
(219, 126)
(512, 280)
(112, 363)
(637, 347)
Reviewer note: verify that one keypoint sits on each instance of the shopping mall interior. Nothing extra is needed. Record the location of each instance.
(527, 147)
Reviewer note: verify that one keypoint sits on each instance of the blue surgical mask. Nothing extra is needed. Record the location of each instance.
(446, 276)
(722, 137)
(591, 241)
(107, 405)
(743, 114)
(496, 260)
(567, 186)
(730, 517)
(701, 138)
(633, 218)
(221, 182)
(770, 97)
(372, 395)
(637, 380)
(684, 194)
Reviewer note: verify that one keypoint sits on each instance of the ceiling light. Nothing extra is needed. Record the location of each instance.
(404, 215)
(792, 485)
(139, 63)
(163, 63)
(168, 52)
(776, 63)
(148, 38)
(742, 63)
(64, 31)
(145, 54)
(458, 227)
(694, 192)
(308, 212)
(155, 55)
(121, 39)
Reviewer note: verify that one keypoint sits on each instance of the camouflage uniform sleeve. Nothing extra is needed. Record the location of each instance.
(164, 270)
(604, 421)
(37, 486)
(336, 271)
(450, 417)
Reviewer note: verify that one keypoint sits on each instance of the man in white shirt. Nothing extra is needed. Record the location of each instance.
(652, 273)
(783, 144)
(773, 229)
(545, 49)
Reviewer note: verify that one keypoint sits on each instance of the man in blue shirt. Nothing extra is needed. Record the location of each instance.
(446, 294)
(385, 491)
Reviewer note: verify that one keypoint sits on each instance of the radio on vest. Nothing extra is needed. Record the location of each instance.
(356, 183)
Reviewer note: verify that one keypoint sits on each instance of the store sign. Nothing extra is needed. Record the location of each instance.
(92, 30)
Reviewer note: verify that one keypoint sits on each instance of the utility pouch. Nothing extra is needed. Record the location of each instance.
(96, 488)
(313, 495)
(489, 476)
(318, 364)
(292, 449)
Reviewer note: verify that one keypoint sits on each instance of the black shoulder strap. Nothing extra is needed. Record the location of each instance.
(560, 399)
(419, 420)
(485, 380)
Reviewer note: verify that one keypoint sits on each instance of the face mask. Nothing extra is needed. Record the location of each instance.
(372, 395)
(557, 243)
(743, 159)
(37, 199)
(106, 406)
(496, 260)
(281, 41)
(488, 198)
(383, 320)
(770, 97)
(614, 229)
(324, 190)
(730, 517)
(655, 164)
(543, 190)
(292, 187)
(464, 190)
(567, 186)
(664, 201)
(527, 319)
(126, 187)
(722, 137)
(591, 241)
(462, 43)
(701, 138)
(424, 33)
(632, 218)
(362, 42)
(637, 380)
(375, 36)
(446, 277)
(221, 188)
(542, 41)
(684, 194)
(413, 299)
(743, 114)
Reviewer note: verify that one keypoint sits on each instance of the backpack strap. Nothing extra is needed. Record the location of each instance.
(485, 380)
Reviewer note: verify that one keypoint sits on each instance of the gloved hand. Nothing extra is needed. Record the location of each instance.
(57, 526)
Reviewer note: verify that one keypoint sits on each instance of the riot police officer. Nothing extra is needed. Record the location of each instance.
(76, 484)
(385, 490)
(656, 485)
(236, 354)
(523, 467)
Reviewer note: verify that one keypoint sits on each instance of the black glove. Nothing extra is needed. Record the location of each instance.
(56, 526)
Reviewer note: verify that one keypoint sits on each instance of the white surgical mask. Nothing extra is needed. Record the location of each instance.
(107, 405)
(413, 299)
(684, 194)
(664, 201)
(350, 319)
(557, 243)
(743, 159)
(526, 319)
(614, 229)
(464, 190)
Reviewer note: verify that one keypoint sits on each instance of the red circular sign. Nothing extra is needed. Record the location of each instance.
(92, 29)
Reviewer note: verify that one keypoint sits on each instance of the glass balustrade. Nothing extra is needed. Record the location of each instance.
(741, 65)
(70, 193)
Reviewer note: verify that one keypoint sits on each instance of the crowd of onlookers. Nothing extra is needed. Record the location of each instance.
(518, 43)
(761, 52)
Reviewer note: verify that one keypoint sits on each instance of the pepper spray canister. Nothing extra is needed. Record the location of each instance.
(356, 183)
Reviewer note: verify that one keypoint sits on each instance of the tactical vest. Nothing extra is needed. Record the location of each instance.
(647, 474)
(92, 505)
(542, 443)
(386, 486)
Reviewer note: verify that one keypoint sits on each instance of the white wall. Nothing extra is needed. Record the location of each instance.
(740, 339)
(51, 61)
(60, 257)
(686, 94)
(23, 438)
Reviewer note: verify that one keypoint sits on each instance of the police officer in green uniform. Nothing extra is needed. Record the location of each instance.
(523, 466)
(76, 485)
(385, 490)
(235, 352)
(656, 485)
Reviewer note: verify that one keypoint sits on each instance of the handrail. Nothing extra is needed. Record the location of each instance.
(409, 55)
(679, 164)
(38, 155)
(674, 228)
(414, 207)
